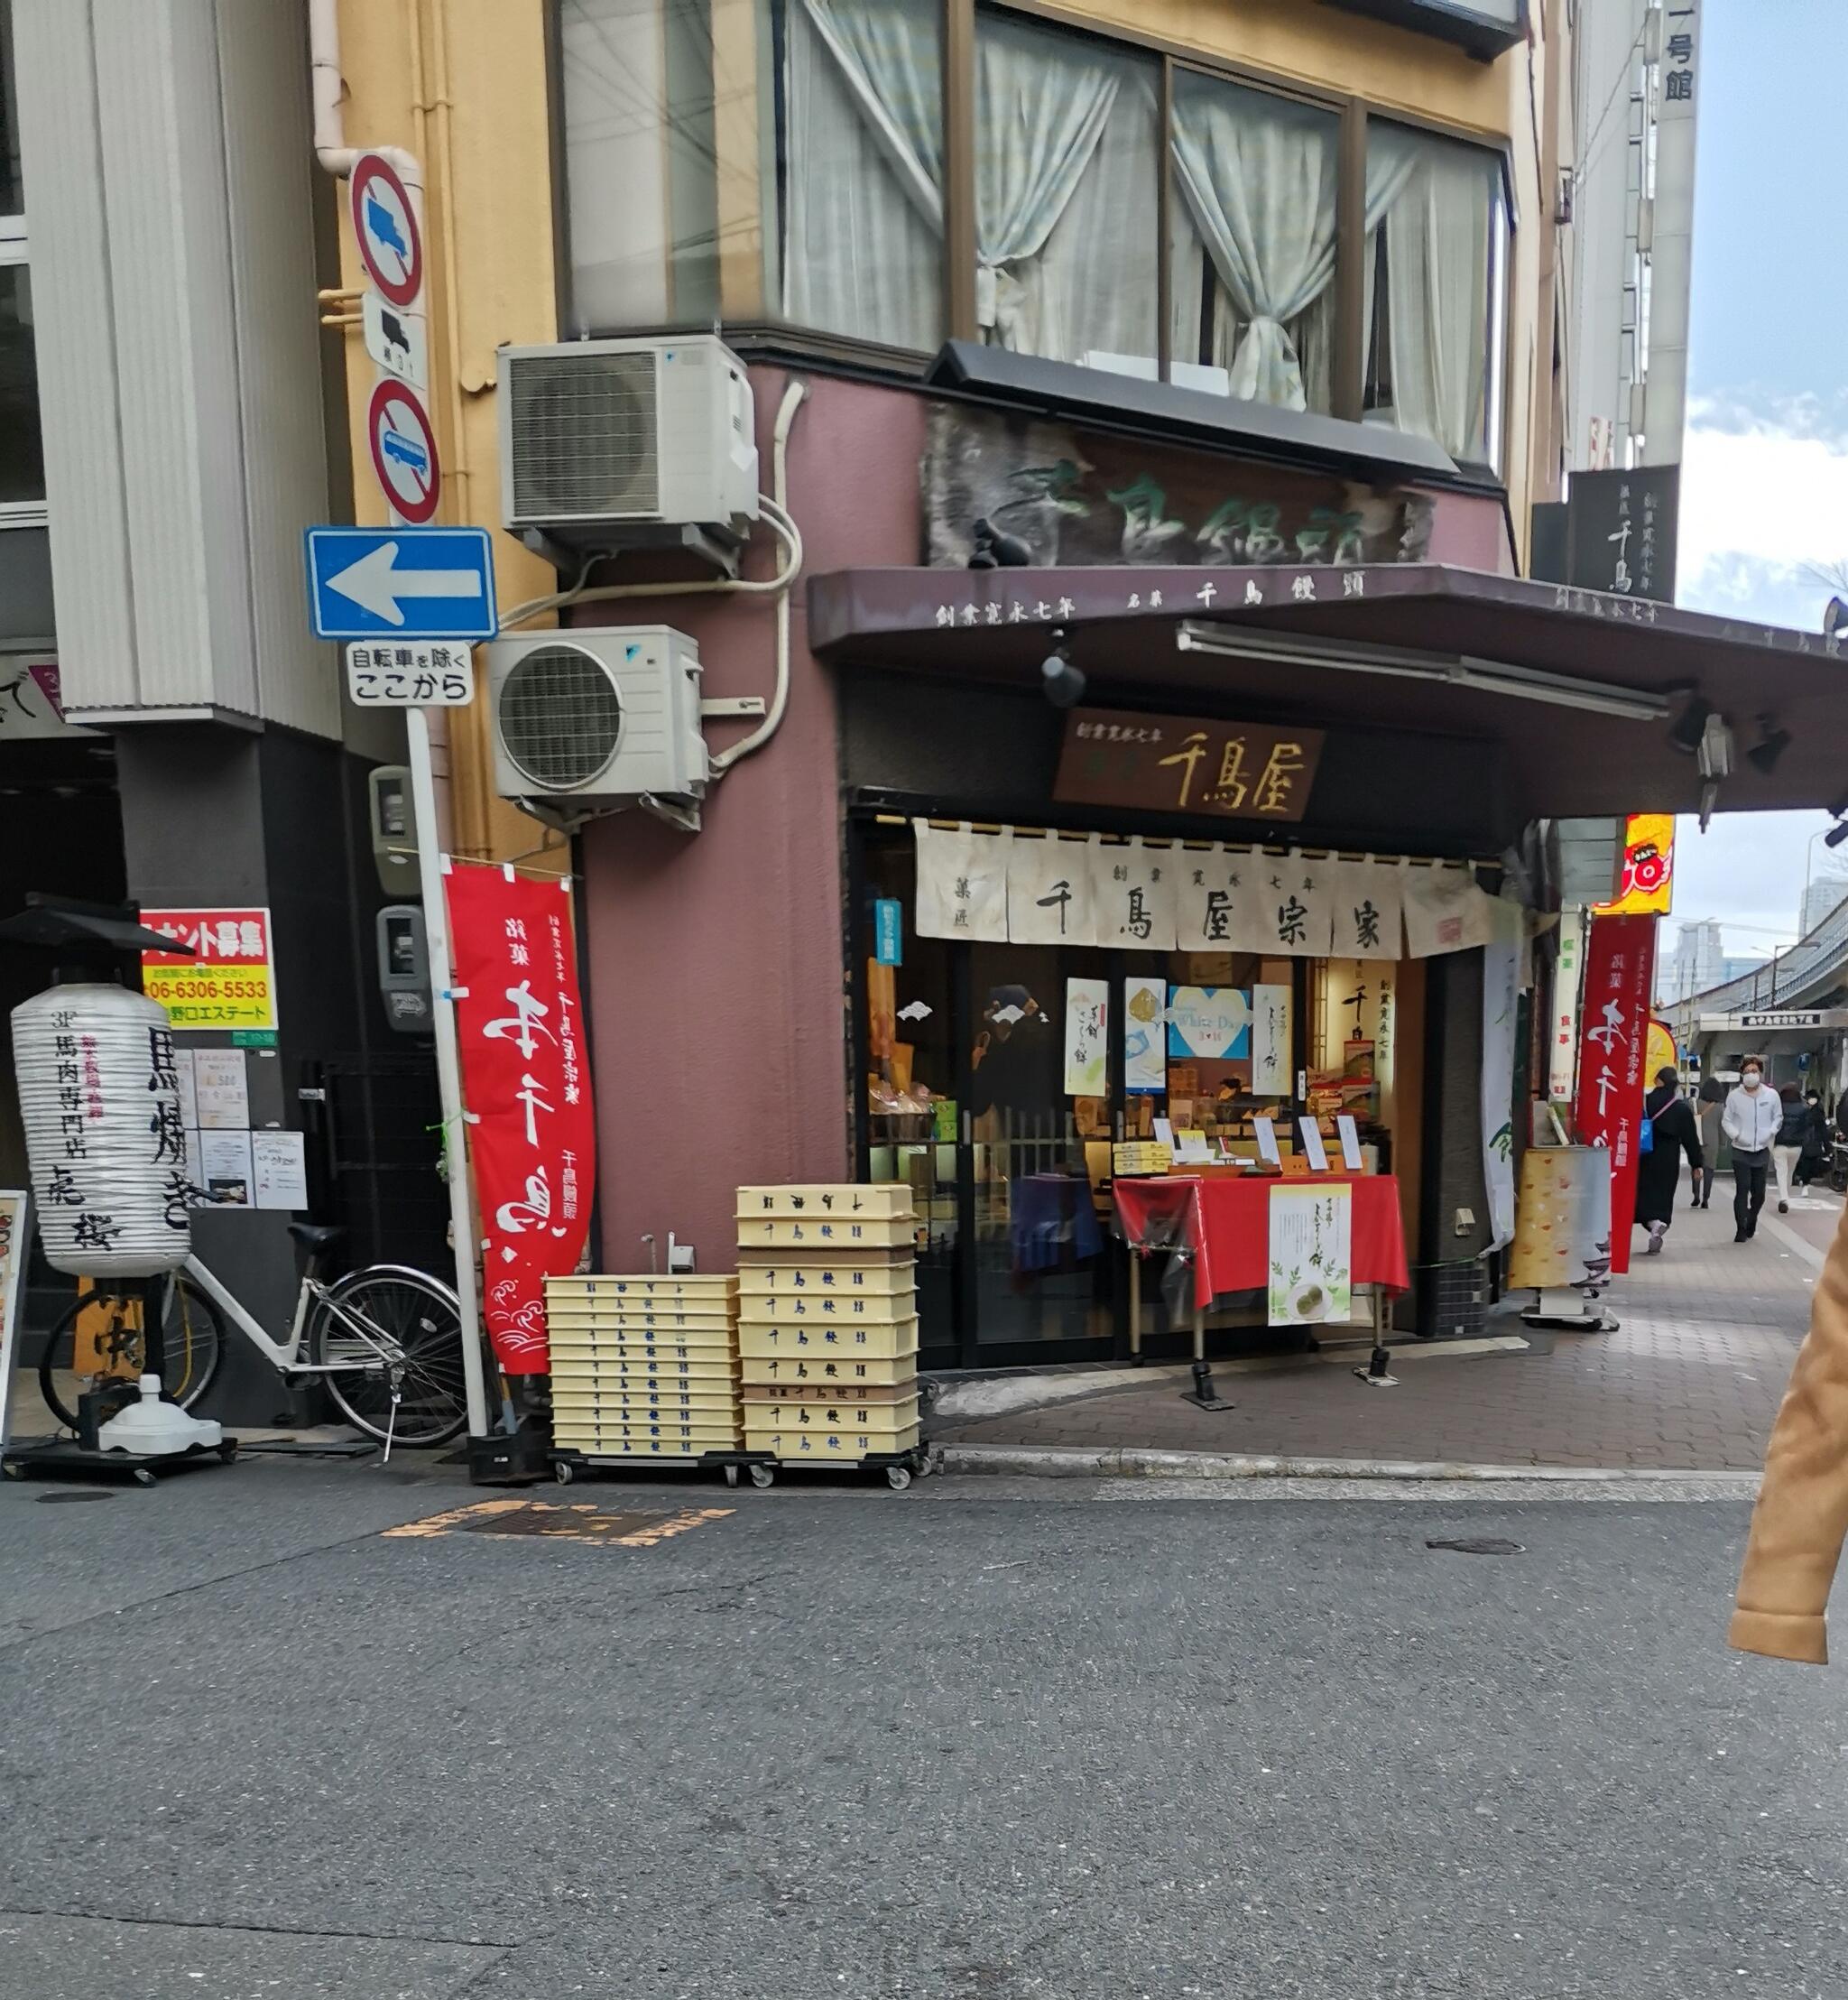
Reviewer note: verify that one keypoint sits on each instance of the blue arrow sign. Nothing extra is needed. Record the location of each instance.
(401, 583)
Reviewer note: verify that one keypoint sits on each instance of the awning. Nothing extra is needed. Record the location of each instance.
(1576, 688)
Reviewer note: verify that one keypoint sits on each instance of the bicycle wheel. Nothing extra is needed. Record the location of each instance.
(192, 1338)
(406, 1317)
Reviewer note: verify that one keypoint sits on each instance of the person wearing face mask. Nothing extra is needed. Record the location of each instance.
(1751, 1121)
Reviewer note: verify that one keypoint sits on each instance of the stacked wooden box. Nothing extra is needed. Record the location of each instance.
(644, 1367)
(827, 1321)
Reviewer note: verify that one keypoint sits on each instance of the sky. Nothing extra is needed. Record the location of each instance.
(1765, 463)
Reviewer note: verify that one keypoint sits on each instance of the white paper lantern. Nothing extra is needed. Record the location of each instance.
(100, 1099)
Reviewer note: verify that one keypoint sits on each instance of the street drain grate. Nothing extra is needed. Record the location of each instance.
(628, 1528)
(1478, 1545)
(58, 1499)
(533, 1517)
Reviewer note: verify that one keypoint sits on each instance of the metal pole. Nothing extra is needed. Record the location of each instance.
(435, 930)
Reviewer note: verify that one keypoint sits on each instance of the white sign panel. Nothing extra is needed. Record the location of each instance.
(1132, 892)
(225, 1166)
(1049, 890)
(221, 1088)
(962, 882)
(1270, 1042)
(421, 673)
(15, 1236)
(1311, 1255)
(1208, 888)
(1087, 1036)
(279, 1167)
(1369, 914)
(1145, 1040)
(396, 340)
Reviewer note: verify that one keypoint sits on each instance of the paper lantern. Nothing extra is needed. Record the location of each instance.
(99, 1096)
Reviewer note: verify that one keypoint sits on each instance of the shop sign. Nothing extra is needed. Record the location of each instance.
(1086, 499)
(525, 1076)
(32, 700)
(1787, 1017)
(229, 980)
(1196, 764)
(1621, 531)
(1645, 883)
(1613, 1047)
(1561, 1058)
(888, 931)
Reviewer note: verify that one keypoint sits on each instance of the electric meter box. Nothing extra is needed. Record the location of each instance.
(405, 968)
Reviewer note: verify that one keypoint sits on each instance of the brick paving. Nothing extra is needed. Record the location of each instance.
(1691, 1380)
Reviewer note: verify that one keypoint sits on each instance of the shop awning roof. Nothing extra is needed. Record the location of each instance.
(1536, 668)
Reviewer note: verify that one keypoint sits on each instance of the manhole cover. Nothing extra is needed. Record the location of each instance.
(1478, 1545)
(583, 1521)
(58, 1499)
(576, 1522)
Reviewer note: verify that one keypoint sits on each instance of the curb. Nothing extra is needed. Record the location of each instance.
(1134, 1462)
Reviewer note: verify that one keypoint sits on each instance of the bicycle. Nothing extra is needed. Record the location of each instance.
(387, 1339)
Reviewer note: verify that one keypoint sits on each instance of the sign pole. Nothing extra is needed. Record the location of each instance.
(436, 927)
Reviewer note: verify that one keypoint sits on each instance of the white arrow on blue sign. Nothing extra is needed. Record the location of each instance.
(403, 583)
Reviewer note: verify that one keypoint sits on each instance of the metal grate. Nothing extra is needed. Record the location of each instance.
(560, 716)
(584, 436)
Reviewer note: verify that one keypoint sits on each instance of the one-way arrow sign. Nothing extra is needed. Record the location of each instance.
(404, 583)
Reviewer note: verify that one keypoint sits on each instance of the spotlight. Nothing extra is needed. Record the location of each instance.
(1688, 727)
(995, 549)
(1834, 616)
(1061, 683)
(1771, 745)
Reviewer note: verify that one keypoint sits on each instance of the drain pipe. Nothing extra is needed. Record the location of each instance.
(330, 147)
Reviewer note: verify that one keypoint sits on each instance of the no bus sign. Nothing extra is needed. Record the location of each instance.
(404, 449)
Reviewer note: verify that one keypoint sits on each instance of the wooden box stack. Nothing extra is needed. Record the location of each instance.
(644, 1367)
(827, 1321)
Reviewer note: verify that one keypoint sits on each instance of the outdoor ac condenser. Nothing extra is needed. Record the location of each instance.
(588, 719)
(614, 444)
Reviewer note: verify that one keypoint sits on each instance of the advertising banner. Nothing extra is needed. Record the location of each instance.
(1614, 1048)
(228, 981)
(526, 1079)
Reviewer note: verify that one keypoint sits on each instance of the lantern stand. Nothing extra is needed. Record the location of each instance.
(91, 942)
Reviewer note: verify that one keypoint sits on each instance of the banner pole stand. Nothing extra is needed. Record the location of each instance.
(436, 927)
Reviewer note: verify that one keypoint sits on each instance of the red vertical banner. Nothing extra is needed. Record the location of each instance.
(1613, 1028)
(524, 1076)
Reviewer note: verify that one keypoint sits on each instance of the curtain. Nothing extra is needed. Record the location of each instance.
(1439, 259)
(863, 249)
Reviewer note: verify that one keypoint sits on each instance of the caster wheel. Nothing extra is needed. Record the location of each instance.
(563, 1473)
(13, 1471)
(730, 1475)
(898, 1477)
(143, 1476)
(763, 1476)
(227, 1453)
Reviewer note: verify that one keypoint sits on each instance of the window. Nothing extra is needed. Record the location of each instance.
(22, 447)
(1434, 259)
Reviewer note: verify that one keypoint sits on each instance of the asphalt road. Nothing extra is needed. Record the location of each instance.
(974, 1742)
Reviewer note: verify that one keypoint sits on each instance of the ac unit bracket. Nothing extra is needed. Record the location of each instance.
(726, 708)
(721, 551)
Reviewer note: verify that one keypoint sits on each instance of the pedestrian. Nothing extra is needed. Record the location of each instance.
(1813, 1157)
(1712, 1102)
(1787, 1148)
(1672, 1133)
(1751, 1122)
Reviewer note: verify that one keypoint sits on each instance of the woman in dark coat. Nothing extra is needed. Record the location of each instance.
(1658, 1172)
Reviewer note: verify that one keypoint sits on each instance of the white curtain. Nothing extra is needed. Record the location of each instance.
(1440, 223)
(864, 239)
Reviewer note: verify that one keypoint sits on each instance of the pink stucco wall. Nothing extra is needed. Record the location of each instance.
(1470, 530)
(717, 1000)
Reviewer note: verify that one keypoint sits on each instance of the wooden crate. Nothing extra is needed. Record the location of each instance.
(869, 1420)
(845, 1236)
(774, 1393)
(895, 1338)
(824, 1447)
(827, 1309)
(890, 1370)
(862, 1278)
(886, 1199)
(708, 1287)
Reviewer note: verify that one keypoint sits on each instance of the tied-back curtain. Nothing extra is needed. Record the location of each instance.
(864, 242)
(1258, 177)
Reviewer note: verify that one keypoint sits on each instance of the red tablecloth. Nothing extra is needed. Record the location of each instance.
(1225, 1222)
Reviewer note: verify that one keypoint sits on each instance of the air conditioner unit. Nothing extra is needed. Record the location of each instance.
(617, 444)
(591, 718)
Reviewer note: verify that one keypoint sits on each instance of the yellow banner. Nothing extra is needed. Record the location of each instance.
(1645, 885)
(214, 997)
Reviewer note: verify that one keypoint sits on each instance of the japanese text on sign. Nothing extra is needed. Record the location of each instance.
(434, 673)
(1186, 764)
(229, 981)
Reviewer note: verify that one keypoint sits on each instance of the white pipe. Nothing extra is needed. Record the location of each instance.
(330, 147)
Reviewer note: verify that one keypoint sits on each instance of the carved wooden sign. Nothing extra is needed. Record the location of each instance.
(1198, 765)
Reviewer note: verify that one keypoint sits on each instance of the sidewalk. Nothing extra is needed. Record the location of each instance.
(1691, 1381)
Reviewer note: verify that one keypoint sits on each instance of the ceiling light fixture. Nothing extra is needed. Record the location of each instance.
(1462, 670)
(1061, 683)
(1690, 725)
(1771, 745)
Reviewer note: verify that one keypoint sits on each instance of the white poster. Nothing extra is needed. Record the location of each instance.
(1144, 1038)
(1501, 1006)
(1445, 910)
(962, 882)
(1351, 1156)
(188, 1097)
(15, 1235)
(1209, 1021)
(1314, 1151)
(279, 1168)
(1209, 887)
(1087, 1036)
(1294, 915)
(1132, 890)
(1311, 1255)
(1049, 890)
(1369, 910)
(225, 1168)
(1270, 1042)
(221, 1085)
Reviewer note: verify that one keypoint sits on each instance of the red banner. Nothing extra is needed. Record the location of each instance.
(1614, 1030)
(528, 1090)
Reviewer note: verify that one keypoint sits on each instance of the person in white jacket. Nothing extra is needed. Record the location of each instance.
(1751, 1122)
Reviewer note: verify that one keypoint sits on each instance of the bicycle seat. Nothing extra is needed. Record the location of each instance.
(316, 1236)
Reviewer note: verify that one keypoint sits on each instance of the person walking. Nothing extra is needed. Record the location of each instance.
(1672, 1133)
(1787, 1148)
(1813, 1157)
(1712, 1102)
(1751, 1122)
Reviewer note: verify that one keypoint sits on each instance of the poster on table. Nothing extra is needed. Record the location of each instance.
(15, 1235)
(1270, 1042)
(1209, 889)
(1087, 1036)
(962, 882)
(1144, 1056)
(1445, 910)
(1214, 1021)
(1369, 910)
(1049, 890)
(1501, 1013)
(1311, 1259)
(1133, 893)
(1613, 1046)
(526, 1079)
(224, 977)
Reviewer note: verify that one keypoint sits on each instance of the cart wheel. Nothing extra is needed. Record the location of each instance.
(730, 1475)
(563, 1473)
(13, 1471)
(143, 1476)
(763, 1476)
(898, 1477)
(227, 1452)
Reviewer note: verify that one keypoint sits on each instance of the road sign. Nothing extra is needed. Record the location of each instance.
(384, 226)
(396, 340)
(404, 451)
(401, 583)
(411, 673)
